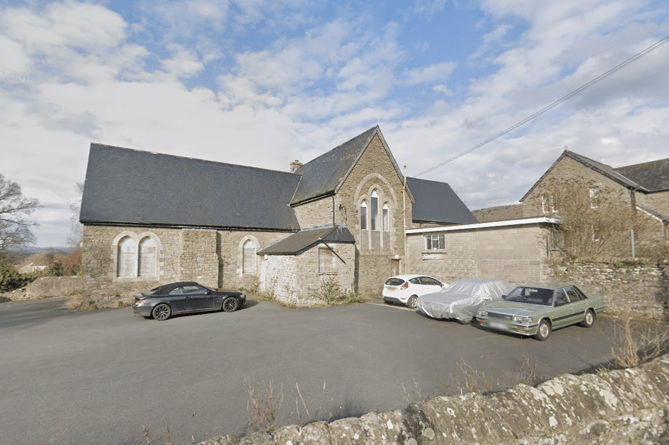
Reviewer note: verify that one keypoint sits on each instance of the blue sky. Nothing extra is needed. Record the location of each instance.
(265, 82)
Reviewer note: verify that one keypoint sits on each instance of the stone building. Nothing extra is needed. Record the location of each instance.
(644, 187)
(153, 218)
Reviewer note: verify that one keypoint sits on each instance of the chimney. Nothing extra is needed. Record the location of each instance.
(295, 165)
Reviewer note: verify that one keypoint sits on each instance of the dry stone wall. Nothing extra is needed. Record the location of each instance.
(615, 407)
(628, 288)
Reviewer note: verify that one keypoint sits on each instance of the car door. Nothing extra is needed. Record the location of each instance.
(430, 285)
(198, 298)
(578, 304)
(177, 300)
(561, 309)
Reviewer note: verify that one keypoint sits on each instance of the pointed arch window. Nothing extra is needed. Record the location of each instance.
(363, 215)
(148, 257)
(249, 257)
(127, 258)
(374, 214)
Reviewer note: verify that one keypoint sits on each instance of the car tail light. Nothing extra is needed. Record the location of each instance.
(405, 285)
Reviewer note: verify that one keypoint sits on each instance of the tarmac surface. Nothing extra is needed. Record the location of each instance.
(108, 377)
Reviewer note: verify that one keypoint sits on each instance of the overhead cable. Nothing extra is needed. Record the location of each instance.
(552, 105)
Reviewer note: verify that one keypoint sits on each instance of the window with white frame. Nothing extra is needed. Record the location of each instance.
(435, 242)
(249, 257)
(326, 260)
(374, 216)
(363, 215)
(386, 218)
(594, 197)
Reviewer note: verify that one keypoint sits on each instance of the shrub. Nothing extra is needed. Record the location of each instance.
(330, 292)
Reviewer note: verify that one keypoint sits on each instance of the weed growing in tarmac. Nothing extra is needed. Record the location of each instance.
(263, 405)
(636, 342)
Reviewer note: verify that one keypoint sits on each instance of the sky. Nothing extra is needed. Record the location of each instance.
(265, 82)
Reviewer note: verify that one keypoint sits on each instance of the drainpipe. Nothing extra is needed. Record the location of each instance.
(404, 205)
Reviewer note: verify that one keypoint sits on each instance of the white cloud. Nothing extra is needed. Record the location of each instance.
(78, 72)
(436, 72)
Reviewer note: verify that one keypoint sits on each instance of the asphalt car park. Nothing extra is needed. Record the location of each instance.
(108, 376)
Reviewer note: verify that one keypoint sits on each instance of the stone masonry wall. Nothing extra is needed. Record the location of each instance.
(517, 254)
(295, 279)
(615, 407)
(374, 171)
(316, 213)
(199, 260)
(628, 288)
(569, 169)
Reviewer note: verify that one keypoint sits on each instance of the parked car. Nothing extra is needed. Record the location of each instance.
(185, 297)
(405, 289)
(462, 298)
(538, 310)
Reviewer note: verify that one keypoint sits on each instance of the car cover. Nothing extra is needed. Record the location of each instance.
(462, 298)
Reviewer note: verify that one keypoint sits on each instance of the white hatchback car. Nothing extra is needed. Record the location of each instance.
(406, 289)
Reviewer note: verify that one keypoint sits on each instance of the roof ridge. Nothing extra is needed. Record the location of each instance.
(189, 158)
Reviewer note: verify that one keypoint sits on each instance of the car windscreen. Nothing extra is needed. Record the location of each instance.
(531, 295)
(394, 281)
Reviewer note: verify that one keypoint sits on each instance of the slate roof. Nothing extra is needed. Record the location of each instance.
(304, 240)
(653, 176)
(436, 202)
(125, 186)
(131, 187)
(324, 175)
(603, 169)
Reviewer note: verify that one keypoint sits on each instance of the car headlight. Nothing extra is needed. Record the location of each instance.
(140, 302)
(482, 314)
(522, 319)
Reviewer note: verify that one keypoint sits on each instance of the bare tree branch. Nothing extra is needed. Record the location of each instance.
(14, 208)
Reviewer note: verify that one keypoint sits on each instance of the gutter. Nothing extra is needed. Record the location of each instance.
(488, 225)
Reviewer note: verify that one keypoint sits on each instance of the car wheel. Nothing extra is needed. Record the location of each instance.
(588, 320)
(230, 304)
(544, 330)
(161, 312)
(411, 302)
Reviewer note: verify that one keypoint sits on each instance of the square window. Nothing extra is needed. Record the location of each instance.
(435, 242)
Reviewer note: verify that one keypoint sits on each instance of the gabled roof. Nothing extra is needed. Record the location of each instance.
(653, 176)
(436, 202)
(125, 186)
(304, 240)
(324, 175)
(603, 169)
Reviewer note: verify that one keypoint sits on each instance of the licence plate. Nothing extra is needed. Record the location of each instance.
(498, 325)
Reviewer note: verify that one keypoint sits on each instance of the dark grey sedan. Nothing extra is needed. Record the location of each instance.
(183, 298)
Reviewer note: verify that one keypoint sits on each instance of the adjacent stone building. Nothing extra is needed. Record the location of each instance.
(152, 218)
(644, 187)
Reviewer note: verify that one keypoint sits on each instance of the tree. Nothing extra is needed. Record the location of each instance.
(14, 208)
(596, 222)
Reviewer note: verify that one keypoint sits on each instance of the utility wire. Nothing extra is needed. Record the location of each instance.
(553, 105)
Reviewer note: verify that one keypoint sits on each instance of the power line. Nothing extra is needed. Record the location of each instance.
(553, 105)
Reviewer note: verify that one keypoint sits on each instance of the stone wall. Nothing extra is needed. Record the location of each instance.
(628, 288)
(374, 171)
(50, 287)
(514, 251)
(296, 279)
(614, 407)
(568, 170)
